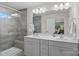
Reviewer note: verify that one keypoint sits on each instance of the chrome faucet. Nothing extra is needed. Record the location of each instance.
(61, 35)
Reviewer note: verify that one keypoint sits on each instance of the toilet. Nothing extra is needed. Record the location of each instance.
(13, 51)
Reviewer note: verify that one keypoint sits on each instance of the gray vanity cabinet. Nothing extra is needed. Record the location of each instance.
(31, 47)
(57, 48)
(44, 47)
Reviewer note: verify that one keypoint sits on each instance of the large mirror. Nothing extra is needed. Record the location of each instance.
(37, 24)
(51, 21)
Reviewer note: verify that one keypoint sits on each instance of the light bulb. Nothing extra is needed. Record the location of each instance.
(37, 11)
(61, 6)
(67, 5)
(55, 7)
(42, 10)
(33, 11)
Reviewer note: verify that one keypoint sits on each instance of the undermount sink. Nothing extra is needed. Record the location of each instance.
(66, 38)
(69, 38)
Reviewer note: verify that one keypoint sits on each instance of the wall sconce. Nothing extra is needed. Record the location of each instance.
(56, 7)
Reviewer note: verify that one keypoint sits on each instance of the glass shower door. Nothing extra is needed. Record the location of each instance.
(7, 32)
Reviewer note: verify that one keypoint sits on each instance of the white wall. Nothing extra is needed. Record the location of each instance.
(75, 15)
(8, 29)
(29, 19)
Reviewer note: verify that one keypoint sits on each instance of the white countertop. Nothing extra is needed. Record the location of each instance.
(49, 37)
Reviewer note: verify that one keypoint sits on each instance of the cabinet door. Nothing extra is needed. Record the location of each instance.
(62, 51)
(28, 50)
(69, 52)
(35, 47)
(31, 50)
(28, 46)
(54, 51)
(44, 47)
(31, 47)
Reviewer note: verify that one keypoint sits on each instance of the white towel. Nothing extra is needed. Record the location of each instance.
(71, 28)
(31, 28)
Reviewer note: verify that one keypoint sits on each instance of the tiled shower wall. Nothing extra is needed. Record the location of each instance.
(8, 32)
(10, 29)
(23, 26)
(22, 29)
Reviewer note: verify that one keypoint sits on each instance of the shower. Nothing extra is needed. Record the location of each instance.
(9, 26)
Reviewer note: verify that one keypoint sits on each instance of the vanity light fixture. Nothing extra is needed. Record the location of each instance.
(56, 7)
(61, 6)
(39, 10)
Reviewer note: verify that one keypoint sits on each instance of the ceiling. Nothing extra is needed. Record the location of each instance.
(22, 5)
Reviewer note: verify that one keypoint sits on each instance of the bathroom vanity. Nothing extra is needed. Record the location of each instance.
(35, 45)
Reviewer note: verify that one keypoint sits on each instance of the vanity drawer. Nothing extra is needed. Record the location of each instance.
(44, 48)
(63, 44)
